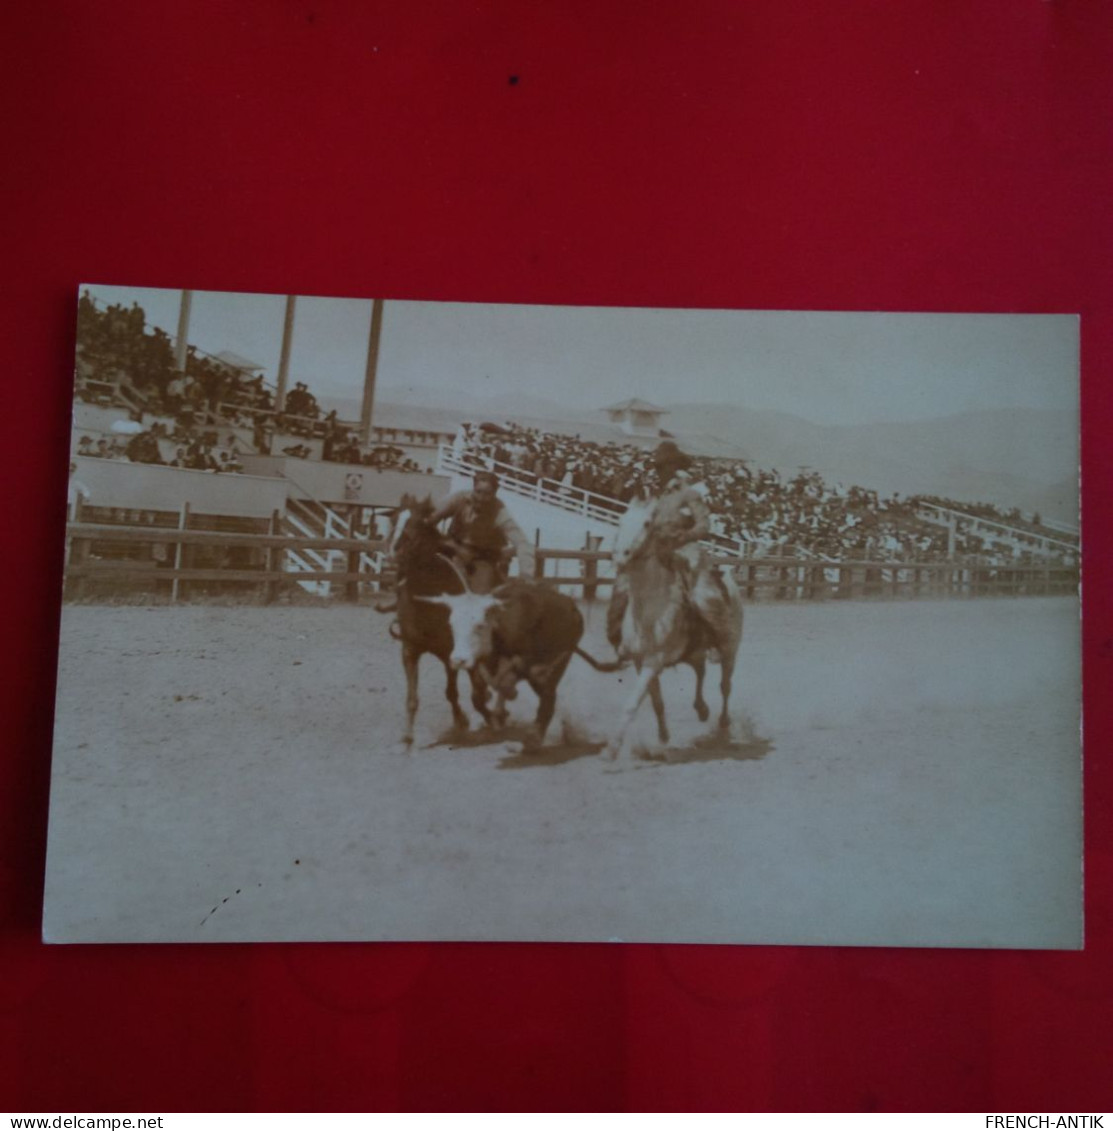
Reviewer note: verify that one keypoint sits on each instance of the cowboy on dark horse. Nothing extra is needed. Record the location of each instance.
(681, 519)
(483, 534)
(482, 538)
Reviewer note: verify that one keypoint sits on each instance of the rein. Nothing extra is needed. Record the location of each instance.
(421, 562)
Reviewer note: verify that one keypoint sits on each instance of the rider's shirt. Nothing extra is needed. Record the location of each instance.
(682, 513)
(486, 533)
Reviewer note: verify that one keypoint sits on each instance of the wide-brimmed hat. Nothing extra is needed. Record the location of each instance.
(490, 476)
(669, 455)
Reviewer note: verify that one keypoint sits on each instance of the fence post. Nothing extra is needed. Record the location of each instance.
(818, 589)
(352, 588)
(179, 555)
(538, 555)
(591, 568)
(272, 560)
(79, 551)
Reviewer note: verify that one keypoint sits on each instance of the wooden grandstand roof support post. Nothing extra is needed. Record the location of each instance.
(181, 343)
(284, 357)
(368, 405)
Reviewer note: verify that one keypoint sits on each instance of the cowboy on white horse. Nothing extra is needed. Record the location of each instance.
(680, 519)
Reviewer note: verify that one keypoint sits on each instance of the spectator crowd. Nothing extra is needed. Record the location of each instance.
(121, 358)
(341, 445)
(196, 452)
(799, 515)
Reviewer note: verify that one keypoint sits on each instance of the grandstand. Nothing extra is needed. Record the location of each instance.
(207, 450)
(211, 447)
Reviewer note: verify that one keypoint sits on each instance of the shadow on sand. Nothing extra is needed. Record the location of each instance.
(551, 755)
(708, 748)
(568, 749)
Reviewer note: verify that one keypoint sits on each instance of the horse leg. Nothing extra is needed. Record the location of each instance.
(410, 658)
(480, 693)
(725, 680)
(617, 743)
(699, 666)
(499, 715)
(658, 701)
(452, 694)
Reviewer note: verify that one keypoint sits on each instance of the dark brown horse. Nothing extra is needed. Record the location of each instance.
(424, 570)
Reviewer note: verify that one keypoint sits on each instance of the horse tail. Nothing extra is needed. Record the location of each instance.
(599, 666)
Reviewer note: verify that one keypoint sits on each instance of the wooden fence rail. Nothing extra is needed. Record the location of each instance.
(183, 557)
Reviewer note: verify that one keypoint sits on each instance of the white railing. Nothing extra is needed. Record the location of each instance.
(1060, 527)
(575, 500)
(328, 524)
(945, 516)
(307, 561)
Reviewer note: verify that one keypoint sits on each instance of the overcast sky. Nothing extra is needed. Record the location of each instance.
(826, 367)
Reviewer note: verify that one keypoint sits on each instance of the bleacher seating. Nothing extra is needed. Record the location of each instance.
(803, 514)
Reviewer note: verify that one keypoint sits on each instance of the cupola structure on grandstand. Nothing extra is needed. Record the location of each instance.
(636, 417)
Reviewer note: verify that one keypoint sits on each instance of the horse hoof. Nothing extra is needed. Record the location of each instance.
(461, 722)
(405, 746)
(703, 712)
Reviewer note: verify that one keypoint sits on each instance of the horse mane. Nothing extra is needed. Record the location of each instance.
(650, 530)
(422, 550)
(418, 506)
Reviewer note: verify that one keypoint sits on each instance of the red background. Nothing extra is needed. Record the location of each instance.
(867, 155)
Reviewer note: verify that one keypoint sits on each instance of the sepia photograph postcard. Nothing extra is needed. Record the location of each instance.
(396, 620)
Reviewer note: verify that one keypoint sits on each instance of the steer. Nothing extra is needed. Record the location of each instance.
(523, 630)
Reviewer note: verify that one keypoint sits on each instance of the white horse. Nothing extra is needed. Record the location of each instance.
(661, 627)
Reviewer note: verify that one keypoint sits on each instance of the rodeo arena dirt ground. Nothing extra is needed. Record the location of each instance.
(903, 773)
